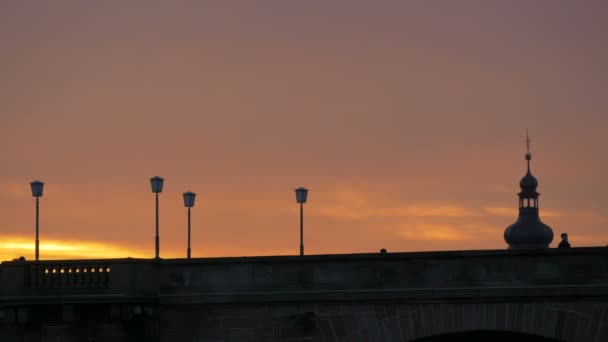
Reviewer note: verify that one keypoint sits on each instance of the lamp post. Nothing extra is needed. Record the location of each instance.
(157, 187)
(37, 187)
(189, 198)
(301, 195)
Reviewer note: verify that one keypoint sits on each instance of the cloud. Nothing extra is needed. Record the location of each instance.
(18, 190)
(349, 204)
(356, 213)
(498, 189)
(433, 232)
(344, 202)
(513, 212)
(501, 211)
(583, 240)
(592, 219)
(350, 196)
(429, 231)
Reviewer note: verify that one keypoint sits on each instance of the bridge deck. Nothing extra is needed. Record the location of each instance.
(429, 276)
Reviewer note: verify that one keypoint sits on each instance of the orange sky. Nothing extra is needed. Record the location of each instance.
(406, 122)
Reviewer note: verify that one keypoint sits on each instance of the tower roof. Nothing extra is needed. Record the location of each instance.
(528, 231)
(528, 183)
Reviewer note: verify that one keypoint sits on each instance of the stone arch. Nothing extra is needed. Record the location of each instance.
(486, 335)
(569, 321)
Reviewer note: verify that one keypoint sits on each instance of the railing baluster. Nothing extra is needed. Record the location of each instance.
(59, 276)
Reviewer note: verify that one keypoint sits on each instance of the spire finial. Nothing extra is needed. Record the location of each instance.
(528, 154)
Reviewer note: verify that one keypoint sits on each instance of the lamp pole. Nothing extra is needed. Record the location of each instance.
(37, 188)
(301, 196)
(157, 187)
(301, 228)
(37, 228)
(189, 252)
(189, 198)
(157, 236)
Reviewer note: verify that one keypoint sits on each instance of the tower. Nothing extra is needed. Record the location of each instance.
(528, 231)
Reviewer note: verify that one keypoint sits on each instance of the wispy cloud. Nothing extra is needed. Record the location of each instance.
(354, 205)
(592, 218)
(502, 189)
(18, 190)
(433, 232)
(354, 213)
(513, 211)
(428, 231)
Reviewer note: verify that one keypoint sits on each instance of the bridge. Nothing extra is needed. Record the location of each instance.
(532, 295)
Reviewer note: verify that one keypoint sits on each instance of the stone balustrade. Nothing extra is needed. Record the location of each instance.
(73, 274)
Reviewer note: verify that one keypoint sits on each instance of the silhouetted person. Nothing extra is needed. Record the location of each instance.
(383, 251)
(564, 243)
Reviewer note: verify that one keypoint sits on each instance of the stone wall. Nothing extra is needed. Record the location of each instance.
(401, 297)
(573, 321)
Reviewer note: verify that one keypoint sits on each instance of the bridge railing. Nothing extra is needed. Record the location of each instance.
(72, 280)
(407, 276)
(68, 275)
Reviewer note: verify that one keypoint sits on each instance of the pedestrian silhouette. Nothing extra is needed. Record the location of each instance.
(564, 243)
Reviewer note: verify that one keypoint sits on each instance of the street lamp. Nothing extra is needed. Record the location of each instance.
(157, 187)
(37, 187)
(189, 198)
(301, 195)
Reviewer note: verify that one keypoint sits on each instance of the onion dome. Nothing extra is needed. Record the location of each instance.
(528, 231)
(528, 184)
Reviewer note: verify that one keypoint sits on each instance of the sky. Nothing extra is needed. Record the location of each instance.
(406, 120)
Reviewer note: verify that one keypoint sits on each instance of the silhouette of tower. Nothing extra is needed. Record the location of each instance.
(528, 231)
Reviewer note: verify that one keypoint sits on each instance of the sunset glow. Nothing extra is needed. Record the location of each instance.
(12, 247)
(408, 125)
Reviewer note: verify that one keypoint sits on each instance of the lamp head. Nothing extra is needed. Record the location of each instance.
(37, 188)
(301, 195)
(189, 198)
(157, 184)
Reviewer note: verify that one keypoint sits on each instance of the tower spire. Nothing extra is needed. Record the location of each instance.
(528, 231)
(528, 154)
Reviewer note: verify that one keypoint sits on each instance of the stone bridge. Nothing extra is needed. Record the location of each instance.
(534, 295)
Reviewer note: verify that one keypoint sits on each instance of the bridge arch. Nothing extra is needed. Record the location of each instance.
(442, 322)
(486, 335)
